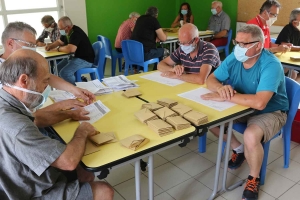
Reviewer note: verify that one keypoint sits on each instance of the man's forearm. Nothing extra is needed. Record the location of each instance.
(163, 67)
(59, 83)
(249, 100)
(212, 83)
(192, 78)
(48, 118)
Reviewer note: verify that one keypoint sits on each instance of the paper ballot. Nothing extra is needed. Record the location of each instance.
(156, 76)
(95, 87)
(97, 111)
(60, 95)
(119, 83)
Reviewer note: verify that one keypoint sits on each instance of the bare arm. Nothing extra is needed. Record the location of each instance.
(293, 48)
(274, 48)
(213, 83)
(221, 34)
(176, 22)
(70, 48)
(197, 78)
(74, 151)
(54, 45)
(166, 65)
(162, 36)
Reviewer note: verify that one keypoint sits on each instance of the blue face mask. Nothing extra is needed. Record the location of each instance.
(62, 32)
(214, 11)
(187, 49)
(240, 53)
(184, 12)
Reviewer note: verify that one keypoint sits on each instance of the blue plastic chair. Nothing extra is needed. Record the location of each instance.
(99, 64)
(226, 47)
(293, 93)
(134, 55)
(273, 40)
(111, 54)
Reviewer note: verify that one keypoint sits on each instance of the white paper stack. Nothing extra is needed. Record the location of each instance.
(118, 83)
(95, 86)
(60, 95)
(96, 111)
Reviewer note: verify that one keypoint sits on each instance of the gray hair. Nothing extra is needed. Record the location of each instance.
(66, 21)
(14, 67)
(268, 4)
(14, 30)
(219, 3)
(134, 14)
(153, 11)
(47, 19)
(294, 14)
(254, 30)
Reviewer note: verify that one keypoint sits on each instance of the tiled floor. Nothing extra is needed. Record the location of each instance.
(185, 174)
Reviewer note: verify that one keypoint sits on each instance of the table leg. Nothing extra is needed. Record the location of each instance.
(137, 168)
(150, 177)
(170, 47)
(218, 164)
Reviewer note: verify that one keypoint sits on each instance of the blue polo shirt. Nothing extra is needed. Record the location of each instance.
(265, 75)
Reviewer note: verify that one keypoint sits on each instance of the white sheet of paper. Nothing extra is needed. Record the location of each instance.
(119, 83)
(95, 86)
(194, 95)
(97, 111)
(156, 77)
(60, 95)
(42, 49)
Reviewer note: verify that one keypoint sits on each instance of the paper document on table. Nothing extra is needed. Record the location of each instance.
(119, 83)
(95, 86)
(97, 111)
(156, 77)
(60, 95)
(194, 95)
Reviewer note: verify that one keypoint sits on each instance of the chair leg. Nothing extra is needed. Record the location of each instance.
(113, 66)
(145, 67)
(78, 77)
(202, 143)
(286, 147)
(263, 169)
(92, 75)
(126, 69)
(120, 64)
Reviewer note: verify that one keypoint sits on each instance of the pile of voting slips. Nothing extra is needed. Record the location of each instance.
(131, 93)
(152, 106)
(181, 109)
(197, 118)
(160, 127)
(103, 138)
(167, 102)
(145, 115)
(165, 112)
(134, 142)
(178, 122)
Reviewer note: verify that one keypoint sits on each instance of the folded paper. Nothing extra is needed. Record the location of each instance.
(196, 118)
(131, 93)
(178, 122)
(134, 142)
(160, 127)
(181, 109)
(165, 112)
(152, 106)
(145, 115)
(167, 102)
(100, 139)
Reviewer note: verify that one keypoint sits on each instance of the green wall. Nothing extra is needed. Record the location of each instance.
(105, 16)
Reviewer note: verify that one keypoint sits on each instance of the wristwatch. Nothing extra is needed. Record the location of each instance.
(57, 48)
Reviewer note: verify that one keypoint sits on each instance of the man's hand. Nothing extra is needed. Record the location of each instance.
(79, 114)
(283, 48)
(169, 75)
(70, 104)
(212, 96)
(40, 44)
(48, 47)
(83, 94)
(178, 70)
(226, 92)
(87, 129)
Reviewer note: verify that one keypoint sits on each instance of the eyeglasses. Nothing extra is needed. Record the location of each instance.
(190, 42)
(28, 44)
(272, 14)
(242, 44)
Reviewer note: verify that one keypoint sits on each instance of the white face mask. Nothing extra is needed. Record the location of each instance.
(271, 21)
(187, 49)
(31, 48)
(240, 53)
(49, 29)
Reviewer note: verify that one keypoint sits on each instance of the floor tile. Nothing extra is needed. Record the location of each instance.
(277, 145)
(157, 161)
(295, 154)
(291, 194)
(211, 152)
(193, 144)
(127, 188)
(120, 174)
(292, 173)
(174, 152)
(192, 163)
(190, 190)
(163, 196)
(117, 196)
(168, 175)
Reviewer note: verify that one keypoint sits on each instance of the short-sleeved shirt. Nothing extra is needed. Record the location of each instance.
(54, 34)
(78, 38)
(266, 30)
(289, 34)
(207, 54)
(124, 32)
(144, 31)
(265, 75)
(26, 157)
(219, 22)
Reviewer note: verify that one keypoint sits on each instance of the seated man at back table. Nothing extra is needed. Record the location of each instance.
(193, 60)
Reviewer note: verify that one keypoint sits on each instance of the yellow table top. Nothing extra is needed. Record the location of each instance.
(286, 57)
(51, 54)
(152, 91)
(122, 121)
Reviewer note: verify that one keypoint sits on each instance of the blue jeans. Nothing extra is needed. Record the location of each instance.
(154, 53)
(69, 66)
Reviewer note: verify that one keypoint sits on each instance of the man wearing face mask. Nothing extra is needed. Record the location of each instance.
(219, 22)
(32, 162)
(257, 81)
(73, 40)
(193, 60)
(267, 16)
(50, 29)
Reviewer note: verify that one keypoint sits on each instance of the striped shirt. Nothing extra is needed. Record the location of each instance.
(207, 54)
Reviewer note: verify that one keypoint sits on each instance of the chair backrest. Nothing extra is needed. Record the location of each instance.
(293, 93)
(229, 37)
(107, 45)
(133, 51)
(99, 50)
(273, 40)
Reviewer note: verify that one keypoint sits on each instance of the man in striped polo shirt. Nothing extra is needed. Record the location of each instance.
(193, 60)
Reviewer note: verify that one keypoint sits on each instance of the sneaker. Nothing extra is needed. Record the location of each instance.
(236, 161)
(251, 189)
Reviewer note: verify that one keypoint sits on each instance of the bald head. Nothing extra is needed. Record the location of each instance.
(188, 30)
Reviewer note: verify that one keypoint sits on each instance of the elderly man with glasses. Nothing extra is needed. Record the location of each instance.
(256, 80)
(50, 29)
(193, 60)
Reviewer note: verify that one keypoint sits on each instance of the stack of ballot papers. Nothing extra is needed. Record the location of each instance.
(181, 109)
(118, 83)
(195, 117)
(145, 115)
(96, 111)
(60, 95)
(134, 142)
(178, 122)
(95, 87)
(167, 102)
(160, 127)
(165, 112)
(103, 138)
(152, 106)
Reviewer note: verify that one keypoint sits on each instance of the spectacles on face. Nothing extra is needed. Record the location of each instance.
(242, 44)
(190, 42)
(28, 44)
(273, 15)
